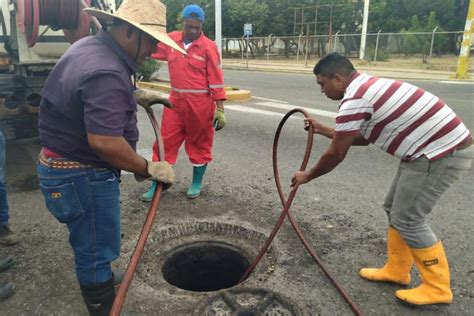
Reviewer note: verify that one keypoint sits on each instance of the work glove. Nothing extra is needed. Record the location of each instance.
(160, 171)
(147, 98)
(219, 119)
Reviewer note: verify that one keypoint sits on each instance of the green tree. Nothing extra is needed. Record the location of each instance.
(148, 68)
(276, 17)
(395, 15)
(238, 12)
(388, 15)
(421, 43)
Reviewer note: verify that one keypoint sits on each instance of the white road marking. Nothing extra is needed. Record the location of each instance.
(271, 103)
(458, 82)
(241, 108)
(277, 104)
(290, 107)
(266, 99)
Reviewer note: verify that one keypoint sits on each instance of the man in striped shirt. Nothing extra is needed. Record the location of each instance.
(434, 147)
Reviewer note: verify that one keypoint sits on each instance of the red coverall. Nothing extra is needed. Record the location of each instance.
(196, 83)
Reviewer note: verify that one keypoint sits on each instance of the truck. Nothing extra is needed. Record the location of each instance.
(35, 33)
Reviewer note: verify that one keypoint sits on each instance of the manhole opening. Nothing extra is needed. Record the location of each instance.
(205, 266)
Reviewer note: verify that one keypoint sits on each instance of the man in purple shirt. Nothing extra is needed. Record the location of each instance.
(88, 129)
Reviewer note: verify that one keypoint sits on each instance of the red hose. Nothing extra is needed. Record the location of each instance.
(137, 253)
(58, 14)
(83, 25)
(32, 18)
(127, 279)
(286, 212)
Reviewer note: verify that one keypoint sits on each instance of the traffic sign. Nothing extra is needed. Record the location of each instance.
(247, 29)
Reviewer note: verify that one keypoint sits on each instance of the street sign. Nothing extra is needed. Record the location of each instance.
(247, 29)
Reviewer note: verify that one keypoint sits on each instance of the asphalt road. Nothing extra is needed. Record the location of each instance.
(301, 90)
(351, 196)
(340, 213)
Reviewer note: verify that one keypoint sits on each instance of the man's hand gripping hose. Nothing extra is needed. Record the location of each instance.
(161, 174)
(286, 210)
(120, 297)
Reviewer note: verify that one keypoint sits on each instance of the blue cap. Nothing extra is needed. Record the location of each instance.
(193, 11)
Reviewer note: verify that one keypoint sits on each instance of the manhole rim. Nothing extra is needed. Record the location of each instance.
(261, 274)
(172, 252)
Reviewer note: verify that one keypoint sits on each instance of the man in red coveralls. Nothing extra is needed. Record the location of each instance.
(197, 95)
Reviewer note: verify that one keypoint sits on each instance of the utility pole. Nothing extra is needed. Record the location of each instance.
(364, 29)
(218, 7)
(465, 51)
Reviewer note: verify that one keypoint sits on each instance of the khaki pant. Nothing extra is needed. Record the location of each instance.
(417, 187)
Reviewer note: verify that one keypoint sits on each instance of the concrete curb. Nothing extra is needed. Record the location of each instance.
(403, 74)
(155, 86)
(232, 94)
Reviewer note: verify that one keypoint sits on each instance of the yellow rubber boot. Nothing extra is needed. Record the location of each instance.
(398, 265)
(433, 267)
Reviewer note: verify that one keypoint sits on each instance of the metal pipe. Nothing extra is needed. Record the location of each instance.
(335, 41)
(268, 46)
(432, 43)
(364, 29)
(248, 48)
(306, 55)
(298, 48)
(218, 17)
(377, 45)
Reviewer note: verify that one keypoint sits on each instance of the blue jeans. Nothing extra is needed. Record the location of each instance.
(87, 201)
(3, 190)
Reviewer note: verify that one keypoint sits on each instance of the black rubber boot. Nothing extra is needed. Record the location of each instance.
(6, 263)
(99, 298)
(6, 290)
(118, 276)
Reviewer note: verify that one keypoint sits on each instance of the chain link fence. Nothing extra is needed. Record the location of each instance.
(379, 46)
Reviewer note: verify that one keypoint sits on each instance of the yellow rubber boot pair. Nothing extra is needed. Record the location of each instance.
(398, 265)
(435, 287)
(431, 263)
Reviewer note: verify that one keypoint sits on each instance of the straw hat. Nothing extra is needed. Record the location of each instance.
(148, 16)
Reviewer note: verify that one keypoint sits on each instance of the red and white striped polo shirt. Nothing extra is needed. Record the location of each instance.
(400, 118)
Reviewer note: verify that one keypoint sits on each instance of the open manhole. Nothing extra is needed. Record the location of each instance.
(200, 257)
(205, 266)
(247, 302)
